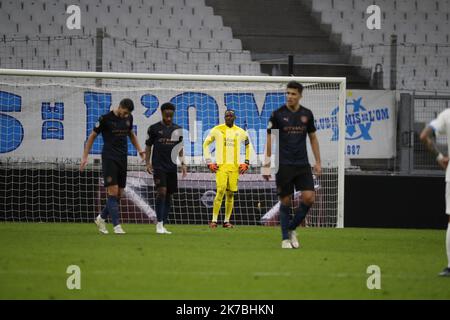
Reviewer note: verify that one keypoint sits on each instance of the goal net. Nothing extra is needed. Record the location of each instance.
(46, 117)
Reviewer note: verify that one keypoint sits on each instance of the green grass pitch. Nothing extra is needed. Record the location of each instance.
(198, 263)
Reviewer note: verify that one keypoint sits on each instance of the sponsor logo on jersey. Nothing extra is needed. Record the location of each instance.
(304, 119)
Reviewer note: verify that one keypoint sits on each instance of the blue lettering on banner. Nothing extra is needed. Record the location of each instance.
(353, 149)
(97, 104)
(248, 116)
(131, 149)
(53, 129)
(358, 121)
(207, 112)
(151, 103)
(52, 113)
(11, 130)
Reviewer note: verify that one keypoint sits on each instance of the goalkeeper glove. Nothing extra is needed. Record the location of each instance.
(213, 167)
(243, 167)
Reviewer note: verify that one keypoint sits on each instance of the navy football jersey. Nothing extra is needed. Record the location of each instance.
(115, 131)
(163, 139)
(293, 129)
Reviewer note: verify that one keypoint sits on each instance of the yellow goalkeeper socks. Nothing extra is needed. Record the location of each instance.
(217, 204)
(229, 202)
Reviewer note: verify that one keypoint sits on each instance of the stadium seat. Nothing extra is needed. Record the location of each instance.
(179, 33)
(156, 3)
(444, 6)
(191, 21)
(211, 44)
(138, 32)
(232, 44)
(195, 3)
(165, 68)
(158, 32)
(19, 17)
(144, 67)
(223, 33)
(182, 11)
(148, 20)
(186, 68)
(203, 11)
(403, 5)
(427, 6)
(116, 31)
(250, 68)
(197, 57)
(116, 10)
(207, 69)
(201, 33)
(227, 68)
(416, 38)
(241, 57)
(166, 43)
(354, 38)
(427, 26)
(170, 21)
(189, 44)
(160, 11)
(321, 5)
(171, 3)
(343, 26)
(374, 37)
(127, 20)
(220, 57)
(177, 56)
(28, 29)
(328, 16)
(436, 38)
(157, 55)
(213, 22)
(103, 20)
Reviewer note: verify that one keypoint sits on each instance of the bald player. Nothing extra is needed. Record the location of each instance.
(228, 138)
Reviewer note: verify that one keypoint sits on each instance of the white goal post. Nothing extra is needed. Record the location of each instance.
(46, 115)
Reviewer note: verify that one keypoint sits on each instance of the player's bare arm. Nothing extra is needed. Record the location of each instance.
(135, 142)
(207, 154)
(148, 159)
(427, 137)
(316, 151)
(183, 163)
(87, 148)
(266, 162)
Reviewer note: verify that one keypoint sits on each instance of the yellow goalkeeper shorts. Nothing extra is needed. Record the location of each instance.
(228, 179)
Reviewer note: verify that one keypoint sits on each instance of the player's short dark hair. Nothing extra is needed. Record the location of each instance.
(127, 104)
(167, 106)
(295, 85)
(230, 110)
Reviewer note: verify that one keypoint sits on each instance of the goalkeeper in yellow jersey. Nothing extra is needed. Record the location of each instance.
(228, 138)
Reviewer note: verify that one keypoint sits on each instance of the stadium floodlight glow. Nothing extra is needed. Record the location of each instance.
(46, 116)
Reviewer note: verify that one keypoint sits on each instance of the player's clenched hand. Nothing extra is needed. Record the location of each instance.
(183, 171)
(142, 155)
(83, 163)
(266, 172)
(318, 169)
(443, 162)
(243, 167)
(213, 167)
(149, 168)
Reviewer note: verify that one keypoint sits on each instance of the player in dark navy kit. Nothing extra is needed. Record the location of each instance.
(115, 127)
(163, 145)
(294, 123)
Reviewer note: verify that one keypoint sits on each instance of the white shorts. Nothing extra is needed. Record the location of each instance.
(447, 198)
